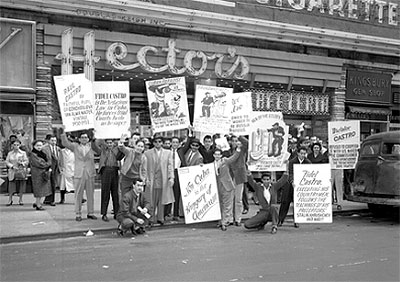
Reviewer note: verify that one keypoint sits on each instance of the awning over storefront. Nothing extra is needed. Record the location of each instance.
(370, 110)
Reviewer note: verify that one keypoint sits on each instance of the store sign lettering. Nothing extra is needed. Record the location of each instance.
(383, 11)
(228, 65)
(239, 69)
(290, 102)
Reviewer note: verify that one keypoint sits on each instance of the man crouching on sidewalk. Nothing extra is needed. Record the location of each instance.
(267, 195)
(133, 212)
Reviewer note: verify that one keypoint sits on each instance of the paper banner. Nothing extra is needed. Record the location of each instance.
(212, 109)
(112, 109)
(199, 193)
(241, 113)
(168, 104)
(268, 141)
(312, 193)
(75, 97)
(344, 142)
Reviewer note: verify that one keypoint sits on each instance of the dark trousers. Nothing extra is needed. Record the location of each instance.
(109, 183)
(286, 199)
(262, 218)
(245, 199)
(177, 194)
(53, 183)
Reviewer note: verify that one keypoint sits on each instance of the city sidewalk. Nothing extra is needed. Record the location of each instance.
(24, 223)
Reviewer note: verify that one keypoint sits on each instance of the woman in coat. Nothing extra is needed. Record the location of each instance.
(16, 161)
(316, 156)
(40, 171)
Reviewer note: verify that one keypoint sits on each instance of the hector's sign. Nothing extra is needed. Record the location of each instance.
(368, 86)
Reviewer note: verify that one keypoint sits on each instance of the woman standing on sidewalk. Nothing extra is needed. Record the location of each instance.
(17, 163)
(40, 170)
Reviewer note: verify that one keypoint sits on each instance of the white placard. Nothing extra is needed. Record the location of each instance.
(111, 108)
(212, 109)
(75, 97)
(168, 104)
(344, 142)
(312, 193)
(268, 141)
(199, 193)
(241, 113)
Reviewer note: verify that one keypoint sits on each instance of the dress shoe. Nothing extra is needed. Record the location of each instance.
(160, 222)
(9, 203)
(39, 208)
(140, 230)
(296, 225)
(245, 211)
(91, 216)
(274, 230)
(78, 218)
(223, 227)
(133, 231)
(52, 204)
(21, 203)
(175, 218)
(237, 223)
(104, 218)
(280, 223)
(34, 205)
(120, 232)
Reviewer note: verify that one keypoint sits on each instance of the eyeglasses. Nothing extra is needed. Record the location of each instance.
(195, 145)
(157, 141)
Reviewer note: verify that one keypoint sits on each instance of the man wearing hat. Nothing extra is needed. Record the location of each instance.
(277, 133)
(160, 178)
(193, 156)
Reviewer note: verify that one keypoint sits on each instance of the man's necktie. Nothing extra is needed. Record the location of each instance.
(267, 195)
(173, 158)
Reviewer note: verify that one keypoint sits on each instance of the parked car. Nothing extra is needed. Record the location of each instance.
(376, 179)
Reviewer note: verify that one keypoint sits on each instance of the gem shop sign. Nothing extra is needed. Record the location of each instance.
(312, 193)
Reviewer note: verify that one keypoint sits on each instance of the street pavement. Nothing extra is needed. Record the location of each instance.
(24, 223)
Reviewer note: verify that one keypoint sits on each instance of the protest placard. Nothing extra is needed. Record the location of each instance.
(112, 109)
(268, 141)
(212, 109)
(199, 193)
(168, 104)
(344, 142)
(312, 193)
(241, 113)
(75, 97)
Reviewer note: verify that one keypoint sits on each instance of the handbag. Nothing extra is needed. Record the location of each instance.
(20, 173)
(45, 176)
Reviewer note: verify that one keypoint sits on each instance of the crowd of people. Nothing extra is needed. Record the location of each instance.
(140, 176)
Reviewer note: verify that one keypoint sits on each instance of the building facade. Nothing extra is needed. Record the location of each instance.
(315, 61)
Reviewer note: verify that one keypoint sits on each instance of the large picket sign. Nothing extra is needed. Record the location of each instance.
(268, 142)
(344, 141)
(212, 109)
(312, 193)
(75, 97)
(241, 113)
(168, 104)
(199, 193)
(112, 108)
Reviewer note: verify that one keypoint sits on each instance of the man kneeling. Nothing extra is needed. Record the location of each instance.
(133, 212)
(267, 195)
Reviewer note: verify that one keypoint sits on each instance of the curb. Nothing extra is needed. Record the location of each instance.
(70, 234)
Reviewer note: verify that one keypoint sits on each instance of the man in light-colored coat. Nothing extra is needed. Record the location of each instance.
(84, 173)
(160, 179)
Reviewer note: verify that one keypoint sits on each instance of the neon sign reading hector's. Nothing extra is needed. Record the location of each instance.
(238, 69)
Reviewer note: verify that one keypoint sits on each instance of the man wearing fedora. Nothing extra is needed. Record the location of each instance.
(277, 133)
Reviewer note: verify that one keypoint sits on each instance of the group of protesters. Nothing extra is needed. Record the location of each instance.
(140, 175)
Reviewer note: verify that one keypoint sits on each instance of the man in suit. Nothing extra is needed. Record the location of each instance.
(287, 191)
(225, 184)
(267, 194)
(84, 173)
(55, 176)
(160, 179)
(134, 210)
(193, 156)
(108, 169)
(207, 149)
